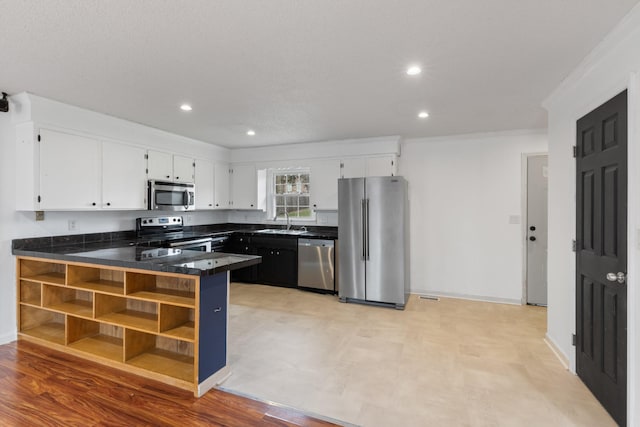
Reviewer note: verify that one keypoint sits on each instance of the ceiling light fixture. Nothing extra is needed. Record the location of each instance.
(414, 70)
(251, 132)
(186, 107)
(423, 114)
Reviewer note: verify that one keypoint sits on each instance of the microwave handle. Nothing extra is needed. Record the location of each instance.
(186, 199)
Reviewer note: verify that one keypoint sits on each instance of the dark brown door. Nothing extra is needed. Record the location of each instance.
(601, 254)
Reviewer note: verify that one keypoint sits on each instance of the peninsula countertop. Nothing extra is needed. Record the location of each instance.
(126, 254)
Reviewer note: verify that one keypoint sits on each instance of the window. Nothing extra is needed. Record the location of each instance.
(291, 194)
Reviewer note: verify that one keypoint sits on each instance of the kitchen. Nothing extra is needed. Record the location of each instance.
(462, 162)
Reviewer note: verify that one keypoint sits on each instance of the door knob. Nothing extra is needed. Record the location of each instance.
(532, 238)
(619, 277)
(532, 228)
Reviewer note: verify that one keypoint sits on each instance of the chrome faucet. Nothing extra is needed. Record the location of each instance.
(288, 220)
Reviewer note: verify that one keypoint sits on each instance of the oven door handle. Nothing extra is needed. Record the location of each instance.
(189, 243)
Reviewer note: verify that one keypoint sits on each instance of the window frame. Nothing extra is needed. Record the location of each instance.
(272, 193)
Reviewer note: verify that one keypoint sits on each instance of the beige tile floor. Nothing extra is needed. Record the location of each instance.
(437, 363)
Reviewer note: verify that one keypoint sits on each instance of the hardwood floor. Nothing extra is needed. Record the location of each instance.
(437, 363)
(42, 387)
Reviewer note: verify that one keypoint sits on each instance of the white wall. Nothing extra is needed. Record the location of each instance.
(608, 70)
(462, 191)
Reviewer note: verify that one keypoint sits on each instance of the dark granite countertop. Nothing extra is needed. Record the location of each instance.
(120, 254)
(124, 249)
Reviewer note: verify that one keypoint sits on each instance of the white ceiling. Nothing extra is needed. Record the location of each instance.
(300, 71)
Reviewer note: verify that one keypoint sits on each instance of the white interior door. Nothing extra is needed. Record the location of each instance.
(537, 188)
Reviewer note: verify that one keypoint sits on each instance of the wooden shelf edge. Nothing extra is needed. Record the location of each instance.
(166, 299)
(30, 304)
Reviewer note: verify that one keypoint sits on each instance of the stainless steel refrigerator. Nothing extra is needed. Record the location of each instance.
(373, 240)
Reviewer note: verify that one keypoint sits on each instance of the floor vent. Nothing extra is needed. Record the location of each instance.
(429, 297)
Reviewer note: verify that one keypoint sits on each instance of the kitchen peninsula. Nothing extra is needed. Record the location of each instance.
(156, 312)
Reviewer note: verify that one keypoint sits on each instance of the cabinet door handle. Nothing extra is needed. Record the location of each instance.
(108, 204)
(93, 204)
(168, 176)
(217, 309)
(177, 177)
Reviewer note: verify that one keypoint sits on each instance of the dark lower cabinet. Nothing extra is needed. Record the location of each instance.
(279, 264)
(240, 244)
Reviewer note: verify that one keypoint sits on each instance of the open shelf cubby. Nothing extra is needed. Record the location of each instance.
(177, 322)
(172, 290)
(135, 314)
(96, 338)
(42, 324)
(161, 355)
(66, 300)
(30, 293)
(141, 321)
(96, 279)
(43, 271)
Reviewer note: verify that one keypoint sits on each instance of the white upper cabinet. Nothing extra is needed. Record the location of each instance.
(354, 167)
(221, 186)
(70, 175)
(244, 186)
(160, 165)
(168, 167)
(204, 180)
(357, 167)
(382, 166)
(124, 181)
(324, 184)
(183, 169)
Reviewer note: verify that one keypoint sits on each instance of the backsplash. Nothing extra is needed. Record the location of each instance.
(324, 218)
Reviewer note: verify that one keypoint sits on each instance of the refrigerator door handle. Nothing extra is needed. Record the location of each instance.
(367, 228)
(363, 213)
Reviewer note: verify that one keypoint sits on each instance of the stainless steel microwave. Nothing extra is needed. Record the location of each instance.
(171, 196)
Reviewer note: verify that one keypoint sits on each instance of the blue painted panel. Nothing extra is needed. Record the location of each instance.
(213, 325)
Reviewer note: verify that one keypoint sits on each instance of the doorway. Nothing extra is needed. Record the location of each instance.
(601, 254)
(537, 187)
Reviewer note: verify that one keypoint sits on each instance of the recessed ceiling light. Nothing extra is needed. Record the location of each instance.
(251, 132)
(423, 114)
(186, 107)
(414, 70)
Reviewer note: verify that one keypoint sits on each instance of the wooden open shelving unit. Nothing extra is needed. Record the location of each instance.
(141, 321)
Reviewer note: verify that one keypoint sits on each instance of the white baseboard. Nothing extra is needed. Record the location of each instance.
(467, 297)
(564, 360)
(214, 380)
(7, 338)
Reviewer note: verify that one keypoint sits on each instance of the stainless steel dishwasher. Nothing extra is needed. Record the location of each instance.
(316, 264)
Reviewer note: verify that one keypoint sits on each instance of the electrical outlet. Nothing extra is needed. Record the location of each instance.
(72, 224)
(39, 215)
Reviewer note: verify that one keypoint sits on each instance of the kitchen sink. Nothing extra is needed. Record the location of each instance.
(281, 231)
